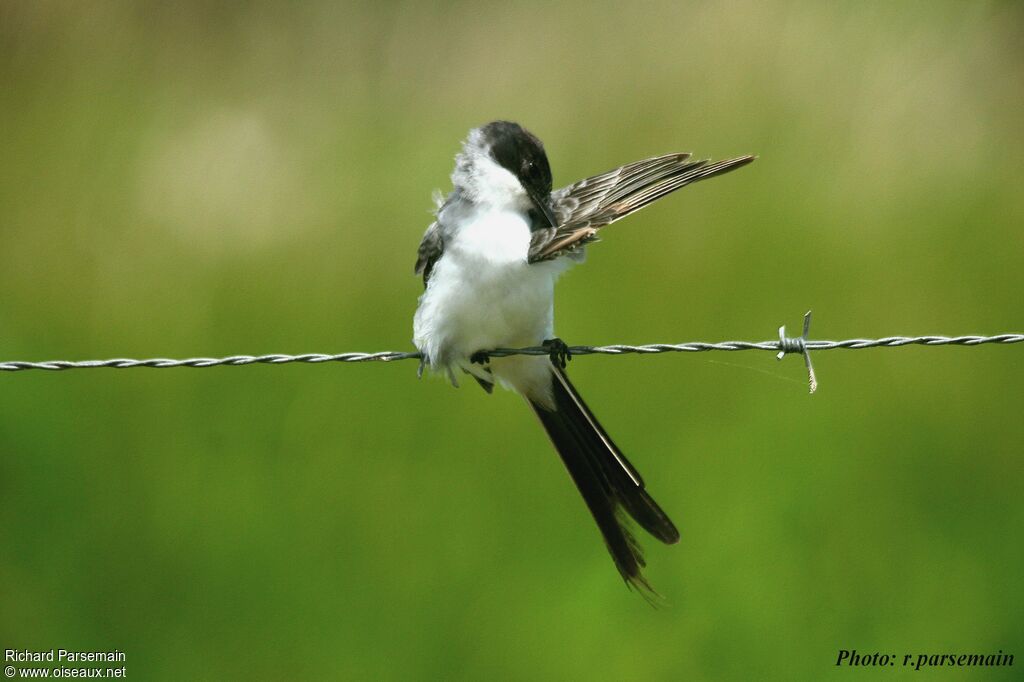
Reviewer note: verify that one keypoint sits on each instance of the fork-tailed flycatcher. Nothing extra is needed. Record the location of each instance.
(489, 263)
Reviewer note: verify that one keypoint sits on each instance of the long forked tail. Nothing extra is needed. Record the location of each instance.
(608, 482)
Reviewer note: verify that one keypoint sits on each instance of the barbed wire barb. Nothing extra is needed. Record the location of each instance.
(801, 345)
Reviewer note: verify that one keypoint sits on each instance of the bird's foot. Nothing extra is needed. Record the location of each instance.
(481, 357)
(558, 351)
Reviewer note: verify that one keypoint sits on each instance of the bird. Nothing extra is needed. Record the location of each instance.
(489, 262)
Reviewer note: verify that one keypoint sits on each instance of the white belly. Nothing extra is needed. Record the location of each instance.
(483, 294)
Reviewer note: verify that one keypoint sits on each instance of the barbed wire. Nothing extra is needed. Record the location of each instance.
(785, 345)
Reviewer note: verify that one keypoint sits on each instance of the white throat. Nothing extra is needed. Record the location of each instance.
(484, 181)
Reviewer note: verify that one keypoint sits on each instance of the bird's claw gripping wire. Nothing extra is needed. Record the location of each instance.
(558, 351)
(481, 357)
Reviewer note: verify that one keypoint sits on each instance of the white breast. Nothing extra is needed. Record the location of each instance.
(484, 294)
(492, 237)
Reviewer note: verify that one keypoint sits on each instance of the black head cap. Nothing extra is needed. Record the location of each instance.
(522, 154)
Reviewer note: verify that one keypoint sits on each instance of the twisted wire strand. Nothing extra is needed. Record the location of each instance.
(798, 345)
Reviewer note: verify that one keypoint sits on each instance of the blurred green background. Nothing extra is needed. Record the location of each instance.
(217, 178)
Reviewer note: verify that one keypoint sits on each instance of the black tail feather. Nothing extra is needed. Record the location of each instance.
(608, 482)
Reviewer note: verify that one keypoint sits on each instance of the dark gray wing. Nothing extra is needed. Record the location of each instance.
(431, 248)
(588, 205)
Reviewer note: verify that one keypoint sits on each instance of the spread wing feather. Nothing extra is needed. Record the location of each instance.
(588, 205)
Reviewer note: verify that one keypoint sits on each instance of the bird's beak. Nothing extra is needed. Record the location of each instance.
(542, 204)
